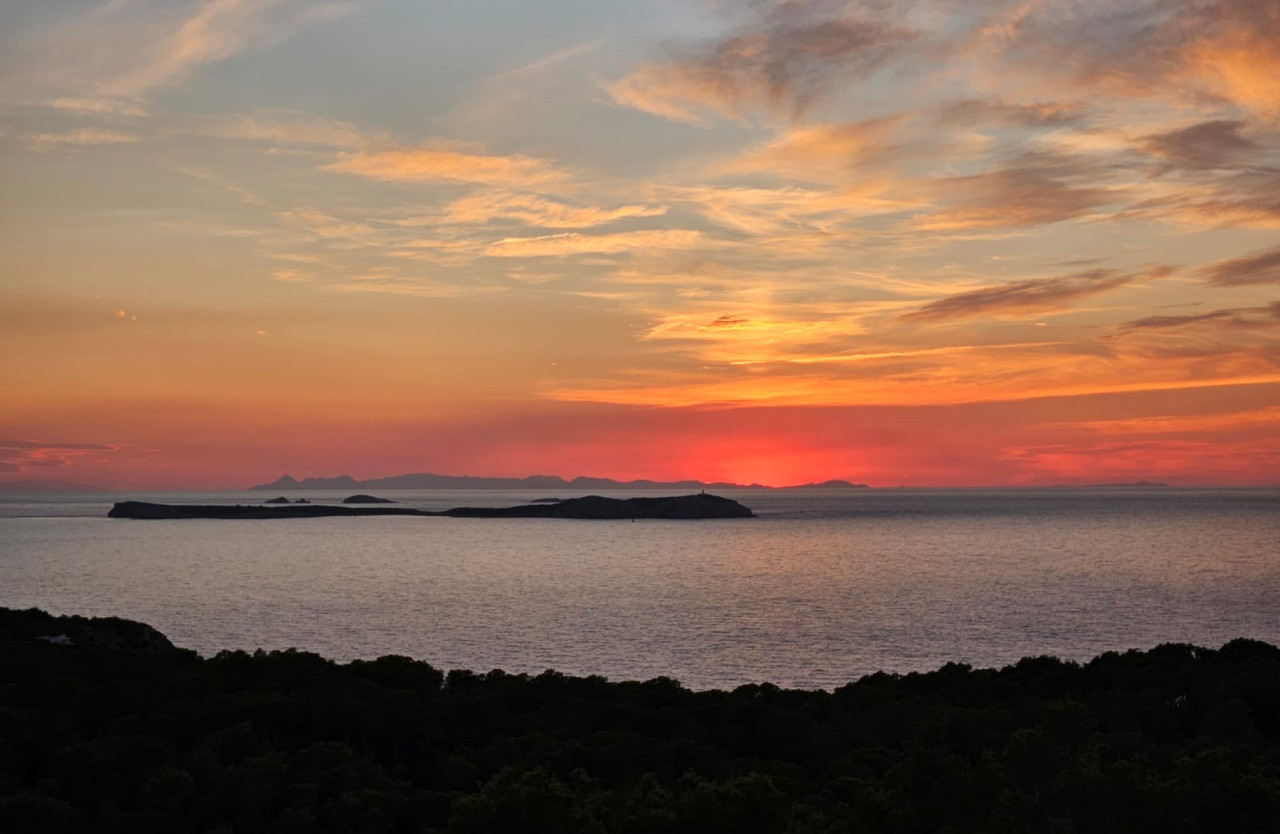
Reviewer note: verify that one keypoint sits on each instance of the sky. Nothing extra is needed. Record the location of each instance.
(900, 242)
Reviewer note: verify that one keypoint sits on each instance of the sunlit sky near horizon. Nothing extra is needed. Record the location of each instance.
(921, 242)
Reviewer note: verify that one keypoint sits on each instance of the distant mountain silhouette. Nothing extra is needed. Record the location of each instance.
(832, 484)
(1154, 484)
(1126, 485)
(427, 480)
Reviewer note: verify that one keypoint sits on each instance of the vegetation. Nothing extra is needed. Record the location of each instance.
(98, 737)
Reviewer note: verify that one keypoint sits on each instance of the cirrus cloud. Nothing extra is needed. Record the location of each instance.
(437, 164)
(572, 243)
(1258, 268)
(1035, 296)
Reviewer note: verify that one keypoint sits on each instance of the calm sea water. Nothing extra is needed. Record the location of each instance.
(822, 588)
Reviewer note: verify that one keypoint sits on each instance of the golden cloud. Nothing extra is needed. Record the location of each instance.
(437, 164)
(483, 206)
(572, 243)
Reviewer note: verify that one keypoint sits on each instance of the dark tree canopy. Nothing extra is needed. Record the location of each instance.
(113, 730)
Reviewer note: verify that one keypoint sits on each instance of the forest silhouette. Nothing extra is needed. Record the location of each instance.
(106, 727)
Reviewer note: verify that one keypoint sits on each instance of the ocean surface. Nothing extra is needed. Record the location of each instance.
(822, 588)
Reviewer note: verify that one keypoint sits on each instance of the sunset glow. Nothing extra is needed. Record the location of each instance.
(902, 242)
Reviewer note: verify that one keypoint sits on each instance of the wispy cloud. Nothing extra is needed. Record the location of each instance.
(1205, 145)
(99, 106)
(291, 128)
(436, 164)
(1030, 194)
(1258, 268)
(1183, 423)
(1197, 461)
(826, 153)
(498, 95)
(484, 206)
(1268, 316)
(777, 65)
(110, 58)
(214, 31)
(979, 111)
(1248, 198)
(20, 455)
(572, 243)
(1035, 296)
(327, 227)
(81, 137)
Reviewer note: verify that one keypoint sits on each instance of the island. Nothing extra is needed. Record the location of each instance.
(366, 499)
(683, 507)
(590, 507)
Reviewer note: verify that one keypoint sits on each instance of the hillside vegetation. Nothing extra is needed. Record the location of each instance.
(120, 732)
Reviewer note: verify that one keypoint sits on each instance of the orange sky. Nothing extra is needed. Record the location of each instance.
(905, 242)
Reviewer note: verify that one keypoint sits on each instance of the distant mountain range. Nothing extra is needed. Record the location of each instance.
(426, 480)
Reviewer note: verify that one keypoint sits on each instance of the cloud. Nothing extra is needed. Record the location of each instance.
(1232, 317)
(1198, 460)
(1183, 423)
(1191, 50)
(1165, 322)
(1234, 49)
(292, 128)
(81, 137)
(214, 31)
(19, 455)
(441, 164)
(499, 95)
(1258, 268)
(327, 227)
(822, 153)
(484, 206)
(290, 276)
(1035, 296)
(726, 321)
(110, 57)
(1206, 145)
(1032, 194)
(779, 66)
(98, 106)
(1249, 198)
(1030, 115)
(575, 244)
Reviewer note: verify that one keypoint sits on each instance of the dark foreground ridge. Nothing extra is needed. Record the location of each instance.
(141, 737)
(591, 507)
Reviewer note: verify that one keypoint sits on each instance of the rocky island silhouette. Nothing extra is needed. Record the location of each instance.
(590, 507)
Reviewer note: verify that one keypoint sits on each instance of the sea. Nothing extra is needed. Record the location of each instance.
(825, 586)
